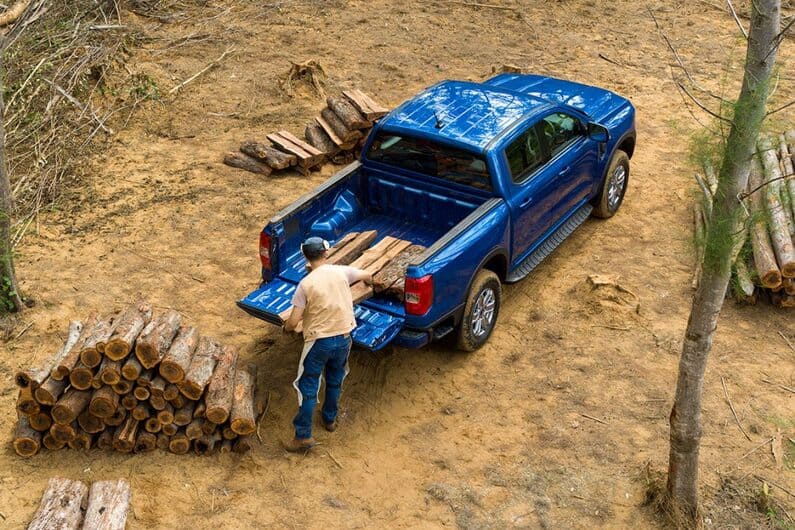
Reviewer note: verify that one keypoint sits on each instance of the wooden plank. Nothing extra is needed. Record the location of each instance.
(311, 149)
(347, 238)
(393, 252)
(396, 269)
(353, 250)
(333, 135)
(305, 158)
(374, 252)
(365, 104)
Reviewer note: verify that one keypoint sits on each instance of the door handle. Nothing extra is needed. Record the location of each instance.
(564, 171)
(526, 201)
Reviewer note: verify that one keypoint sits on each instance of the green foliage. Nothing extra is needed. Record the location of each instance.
(143, 87)
(7, 295)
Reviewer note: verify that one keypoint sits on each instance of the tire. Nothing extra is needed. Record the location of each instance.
(614, 186)
(475, 327)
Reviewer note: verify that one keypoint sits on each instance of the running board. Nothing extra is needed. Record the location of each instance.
(551, 243)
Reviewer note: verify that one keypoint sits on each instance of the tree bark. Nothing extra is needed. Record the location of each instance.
(126, 329)
(155, 339)
(68, 361)
(81, 376)
(36, 377)
(247, 163)
(778, 224)
(108, 504)
(104, 402)
(265, 153)
(50, 391)
(131, 369)
(764, 256)
(71, 404)
(347, 113)
(242, 419)
(685, 418)
(318, 137)
(219, 391)
(61, 506)
(27, 440)
(126, 433)
(201, 368)
(94, 346)
(177, 361)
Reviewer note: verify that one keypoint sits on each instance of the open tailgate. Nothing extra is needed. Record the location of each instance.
(374, 328)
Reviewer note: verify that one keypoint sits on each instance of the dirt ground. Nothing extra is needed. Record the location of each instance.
(550, 425)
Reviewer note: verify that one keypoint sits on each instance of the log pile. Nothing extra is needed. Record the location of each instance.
(136, 381)
(335, 134)
(387, 261)
(70, 505)
(763, 256)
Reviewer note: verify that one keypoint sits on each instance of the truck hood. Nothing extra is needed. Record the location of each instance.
(598, 103)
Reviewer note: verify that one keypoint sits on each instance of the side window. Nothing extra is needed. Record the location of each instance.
(559, 129)
(524, 154)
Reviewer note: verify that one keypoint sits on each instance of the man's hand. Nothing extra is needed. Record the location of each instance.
(367, 278)
(296, 315)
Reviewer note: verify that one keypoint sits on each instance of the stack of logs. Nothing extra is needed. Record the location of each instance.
(386, 261)
(70, 505)
(764, 254)
(136, 382)
(336, 134)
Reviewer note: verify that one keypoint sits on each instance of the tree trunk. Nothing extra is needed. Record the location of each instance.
(82, 441)
(162, 441)
(10, 298)
(242, 418)
(146, 441)
(247, 163)
(122, 387)
(61, 506)
(41, 421)
(108, 504)
(105, 440)
(155, 339)
(685, 418)
(81, 376)
(110, 371)
(778, 223)
(219, 391)
(347, 113)
(177, 360)
(316, 136)
(90, 423)
(184, 415)
(169, 429)
(117, 419)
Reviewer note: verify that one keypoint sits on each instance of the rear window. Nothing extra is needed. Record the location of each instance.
(431, 158)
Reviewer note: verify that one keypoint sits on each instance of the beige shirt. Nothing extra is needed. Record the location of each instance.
(325, 295)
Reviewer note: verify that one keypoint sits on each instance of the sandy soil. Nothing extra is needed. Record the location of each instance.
(429, 438)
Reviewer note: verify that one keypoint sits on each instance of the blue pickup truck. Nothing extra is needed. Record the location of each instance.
(490, 177)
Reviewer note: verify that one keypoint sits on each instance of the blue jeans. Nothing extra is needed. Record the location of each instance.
(329, 355)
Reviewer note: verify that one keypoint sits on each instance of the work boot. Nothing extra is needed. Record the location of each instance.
(300, 445)
(330, 427)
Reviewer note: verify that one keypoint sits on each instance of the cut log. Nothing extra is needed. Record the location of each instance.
(194, 429)
(145, 379)
(63, 433)
(179, 401)
(789, 139)
(126, 433)
(228, 433)
(27, 440)
(352, 250)
(154, 341)
(179, 444)
(396, 269)
(201, 368)
(166, 415)
(265, 153)
(36, 377)
(96, 382)
(344, 240)
(152, 425)
(61, 506)
(158, 387)
(51, 443)
(243, 161)
(41, 421)
(308, 156)
(777, 220)
(69, 360)
(162, 441)
(82, 441)
(141, 393)
(126, 329)
(365, 104)
(140, 412)
(131, 369)
(26, 403)
(226, 447)
(71, 404)
(243, 444)
(208, 427)
(169, 429)
(242, 419)
(110, 371)
(90, 423)
(206, 445)
(177, 360)
(337, 130)
(146, 441)
(764, 256)
(171, 392)
(347, 113)
(789, 286)
(105, 440)
(104, 402)
(199, 410)
(183, 416)
(94, 345)
(129, 401)
(123, 387)
(117, 419)
(221, 386)
(108, 504)
(319, 138)
(157, 402)
(49, 392)
(81, 376)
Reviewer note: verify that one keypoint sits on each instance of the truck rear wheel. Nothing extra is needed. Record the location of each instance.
(614, 186)
(480, 312)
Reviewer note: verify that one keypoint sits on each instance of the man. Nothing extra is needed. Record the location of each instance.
(324, 302)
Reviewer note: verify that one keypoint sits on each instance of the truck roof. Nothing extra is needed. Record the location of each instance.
(462, 113)
(470, 115)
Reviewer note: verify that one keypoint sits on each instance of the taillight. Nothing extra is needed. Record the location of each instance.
(265, 250)
(419, 295)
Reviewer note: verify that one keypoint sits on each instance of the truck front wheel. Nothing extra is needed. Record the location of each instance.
(480, 312)
(614, 186)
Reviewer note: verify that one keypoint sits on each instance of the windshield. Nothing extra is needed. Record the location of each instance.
(431, 158)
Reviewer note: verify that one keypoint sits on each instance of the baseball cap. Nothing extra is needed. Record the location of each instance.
(314, 247)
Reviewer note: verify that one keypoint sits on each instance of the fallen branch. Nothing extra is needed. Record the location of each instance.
(201, 72)
(731, 406)
(594, 419)
(737, 19)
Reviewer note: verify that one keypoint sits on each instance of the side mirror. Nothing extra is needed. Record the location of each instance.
(598, 133)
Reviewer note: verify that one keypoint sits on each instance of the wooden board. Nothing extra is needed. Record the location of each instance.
(365, 104)
(352, 250)
(396, 269)
(344, 240)
(326, 126)
(308, 156)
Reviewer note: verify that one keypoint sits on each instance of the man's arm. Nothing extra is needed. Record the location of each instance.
(358, 275)
(294, 319)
